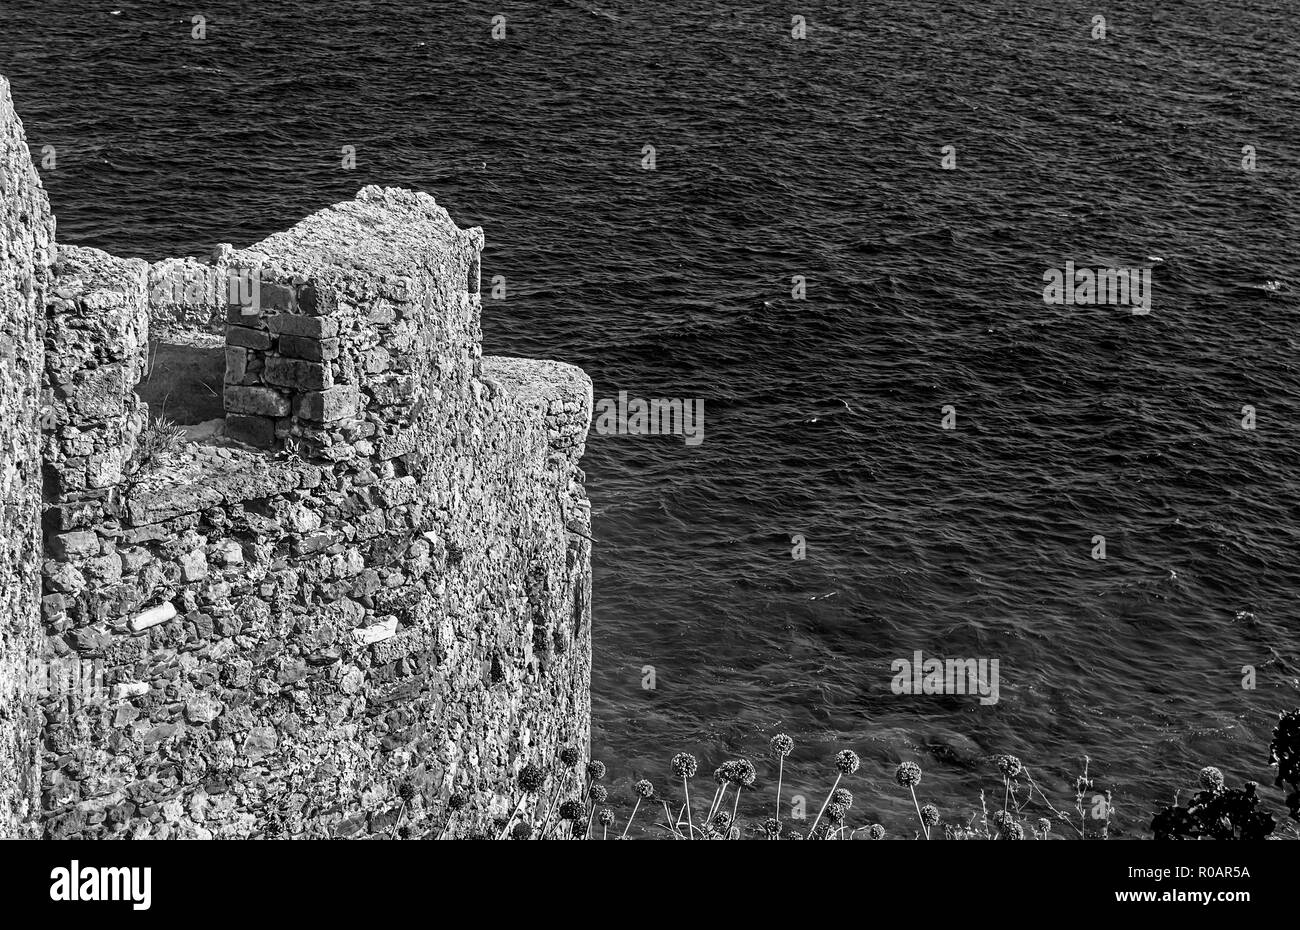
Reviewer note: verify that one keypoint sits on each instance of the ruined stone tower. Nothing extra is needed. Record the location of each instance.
(310, 563)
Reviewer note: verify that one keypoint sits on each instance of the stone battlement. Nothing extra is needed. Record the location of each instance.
(330, 563)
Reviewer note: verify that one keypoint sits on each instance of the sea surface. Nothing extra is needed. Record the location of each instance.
(820, 157)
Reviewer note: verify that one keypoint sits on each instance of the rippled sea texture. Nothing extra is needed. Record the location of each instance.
(819, 158)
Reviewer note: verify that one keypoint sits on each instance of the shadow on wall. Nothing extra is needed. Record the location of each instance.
(184, 380)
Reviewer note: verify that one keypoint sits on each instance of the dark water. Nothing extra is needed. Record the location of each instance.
(818, 158)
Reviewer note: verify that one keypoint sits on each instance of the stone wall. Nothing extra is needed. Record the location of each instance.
(97, 340)
(26, 252)
(364, 590)
(188, 295)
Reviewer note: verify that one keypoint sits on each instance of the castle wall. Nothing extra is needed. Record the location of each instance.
(383, 584)
(26, 252)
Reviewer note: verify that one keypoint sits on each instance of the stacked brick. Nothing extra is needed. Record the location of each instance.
(281, 369)
(338, 352)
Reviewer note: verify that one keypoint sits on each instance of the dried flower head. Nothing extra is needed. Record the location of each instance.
(644, 789)
(1007, 826)
(569, 757)
(877, 832)
(595, 770)
(742, 773)
(1008, 765)
(843, 797)
(929, 815)
(1044, 825)
(908, 775)
(407, 791)
(522, 830)
(772, 828)
(571, 809)
(1211, 779)
(606, 817)
(456, 801)
(782, 745)
(835, 813)
(793, 835)
(685, 765)
(722, 821)
(599, 794)
(847, 761)
(530, 778)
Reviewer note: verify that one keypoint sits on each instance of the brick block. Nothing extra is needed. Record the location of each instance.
(82, 545)
(244, 315)
(316, 350)
(248, 338)
(292, 324)
(338, 403)
(243, 366)
(297, 374)
(278, 296)
(259, 401)
(308, 300)
(236, 364)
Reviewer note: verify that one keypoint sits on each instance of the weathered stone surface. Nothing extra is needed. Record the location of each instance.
(297, 325)
(236, 364)
(26, 252)
(253, 430)
(96, 339)
(316, 350)
(296, 374)
(247, 338)
(338, 403)
(260, 401)
(73, 546)
(260, 743)
(277, 296)
(187, 294)
(202, 708)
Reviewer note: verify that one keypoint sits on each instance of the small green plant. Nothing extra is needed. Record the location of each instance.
(293, 450)
(157, 440)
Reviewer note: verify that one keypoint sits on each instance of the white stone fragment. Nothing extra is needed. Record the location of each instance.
(153, 616)
(232, 553)
(376, 632)
(130, 689)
